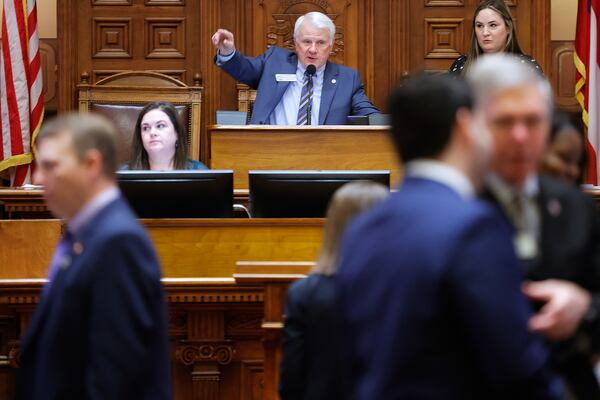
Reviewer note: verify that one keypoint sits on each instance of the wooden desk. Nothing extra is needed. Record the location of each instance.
(224, 332)
(248, 147)
(186, 247)
(224, 329)
(16, 203)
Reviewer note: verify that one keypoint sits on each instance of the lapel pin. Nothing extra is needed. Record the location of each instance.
(554, 208)
(333, 81)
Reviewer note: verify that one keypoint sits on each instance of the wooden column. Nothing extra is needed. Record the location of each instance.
(275, 277)
(205, 351)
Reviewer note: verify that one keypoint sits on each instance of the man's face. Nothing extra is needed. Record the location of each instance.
(63, 175)
(313, 45)
(519, 121)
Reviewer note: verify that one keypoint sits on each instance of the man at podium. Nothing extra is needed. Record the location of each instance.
(300, 88)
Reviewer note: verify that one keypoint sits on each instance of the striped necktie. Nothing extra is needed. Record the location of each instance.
(305, 100)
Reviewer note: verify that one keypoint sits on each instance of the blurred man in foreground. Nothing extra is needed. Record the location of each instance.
(429, 282)
(556, 233)
(100, 330)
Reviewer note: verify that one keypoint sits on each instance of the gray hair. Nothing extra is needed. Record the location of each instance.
(319, 21)
(495, 73)
(88, 132)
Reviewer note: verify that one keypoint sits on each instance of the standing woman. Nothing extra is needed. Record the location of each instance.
(310, 365)
(493, 31)
(159, 141)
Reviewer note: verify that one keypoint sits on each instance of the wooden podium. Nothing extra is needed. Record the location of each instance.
(269, 147)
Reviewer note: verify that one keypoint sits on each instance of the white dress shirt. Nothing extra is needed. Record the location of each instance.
(286, 111)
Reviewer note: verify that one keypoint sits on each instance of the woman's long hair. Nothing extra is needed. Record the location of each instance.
(347, 203)
(512, 43)
(139, 155)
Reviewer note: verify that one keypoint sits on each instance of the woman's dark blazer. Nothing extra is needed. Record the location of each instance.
(311, 365)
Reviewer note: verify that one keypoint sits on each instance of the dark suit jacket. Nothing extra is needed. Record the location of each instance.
(570, 250)
(429, 289)
(310, 366)
(101, 330)
(338, 100)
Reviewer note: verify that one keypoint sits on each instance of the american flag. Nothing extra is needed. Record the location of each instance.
(21, 97)
(587, 89)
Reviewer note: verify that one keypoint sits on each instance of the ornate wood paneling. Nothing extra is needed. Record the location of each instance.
(209, 362)
(563, 75)
(165, 2)
(48, 58)
(112, 38)
(165, 37)
(443, 36)
(444, 3)
(253, 380)
(112, 2)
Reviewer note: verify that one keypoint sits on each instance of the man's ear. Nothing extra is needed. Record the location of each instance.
(94, 162)
(463, 126)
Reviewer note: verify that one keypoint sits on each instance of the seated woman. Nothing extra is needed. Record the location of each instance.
(159, 141)
(565, 155)
(310, 366)
(493, 31)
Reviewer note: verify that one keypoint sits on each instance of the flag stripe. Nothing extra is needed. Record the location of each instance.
(16, 146)
(22, 34)
(587, 75)
(19, 76)
(21, 87)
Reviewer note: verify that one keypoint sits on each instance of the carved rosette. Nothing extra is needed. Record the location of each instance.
(191, 353)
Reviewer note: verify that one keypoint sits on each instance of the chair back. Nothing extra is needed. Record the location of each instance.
(121, 97)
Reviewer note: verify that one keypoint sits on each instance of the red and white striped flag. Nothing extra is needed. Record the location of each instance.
(587, 88)
(21, 98)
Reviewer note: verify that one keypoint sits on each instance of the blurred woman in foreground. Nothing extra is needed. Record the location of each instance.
(310, 366)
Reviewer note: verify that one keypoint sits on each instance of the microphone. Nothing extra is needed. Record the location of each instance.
(310, 71)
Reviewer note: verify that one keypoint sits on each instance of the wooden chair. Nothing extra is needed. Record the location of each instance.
(246, 99)
(121, 97)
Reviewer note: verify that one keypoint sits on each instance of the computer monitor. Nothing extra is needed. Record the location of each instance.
(178, 194)
(301, 194)
(373, 119)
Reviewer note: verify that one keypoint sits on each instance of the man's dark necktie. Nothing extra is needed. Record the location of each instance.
(305, 100)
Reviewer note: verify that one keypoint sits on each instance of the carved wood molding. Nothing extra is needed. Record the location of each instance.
(67, 20)
(177, 294)
(191, 297)
(189, 353)
(399, 22)
(562, 76)
(540, 32)
(14, 353)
